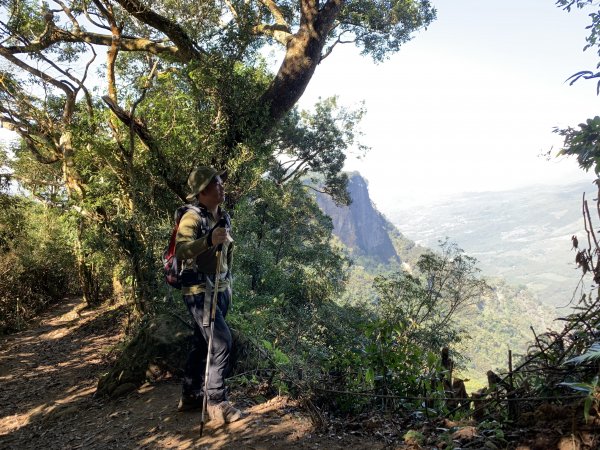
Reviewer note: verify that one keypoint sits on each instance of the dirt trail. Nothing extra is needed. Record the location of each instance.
(48, 376)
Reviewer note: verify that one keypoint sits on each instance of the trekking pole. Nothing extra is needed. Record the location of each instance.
(213, 314)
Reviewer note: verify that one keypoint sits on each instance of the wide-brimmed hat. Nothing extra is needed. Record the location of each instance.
(200, 178)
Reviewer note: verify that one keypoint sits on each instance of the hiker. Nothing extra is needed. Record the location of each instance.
(198, 239)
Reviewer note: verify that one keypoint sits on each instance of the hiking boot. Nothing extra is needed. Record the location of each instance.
(189, 403)
(224, 412)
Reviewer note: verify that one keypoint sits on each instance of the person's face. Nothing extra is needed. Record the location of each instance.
(214, 193)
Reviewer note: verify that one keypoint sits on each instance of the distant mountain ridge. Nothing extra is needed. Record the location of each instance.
(522, 235)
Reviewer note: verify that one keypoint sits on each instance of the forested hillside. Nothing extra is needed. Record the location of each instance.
(500, 320)
(508, 318)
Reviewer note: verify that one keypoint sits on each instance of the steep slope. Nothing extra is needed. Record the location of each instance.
(360, 226)
(500, 322)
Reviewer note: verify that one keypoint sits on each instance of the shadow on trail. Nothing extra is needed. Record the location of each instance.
(48, 376)
(47, 370)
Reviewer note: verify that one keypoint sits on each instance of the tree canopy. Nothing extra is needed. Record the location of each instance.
(52, 54)
(116, 101)
(584, 142)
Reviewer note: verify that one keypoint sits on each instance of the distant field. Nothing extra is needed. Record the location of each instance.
(522, 235)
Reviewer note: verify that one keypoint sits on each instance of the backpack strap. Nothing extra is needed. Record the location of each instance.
(182, 210)
(202, 230)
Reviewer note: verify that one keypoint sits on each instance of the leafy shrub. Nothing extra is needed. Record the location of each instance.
(38, 264)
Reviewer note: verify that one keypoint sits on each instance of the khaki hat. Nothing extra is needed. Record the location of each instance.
(200, 178)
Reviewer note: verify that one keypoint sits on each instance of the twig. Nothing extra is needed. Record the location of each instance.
(537, 340)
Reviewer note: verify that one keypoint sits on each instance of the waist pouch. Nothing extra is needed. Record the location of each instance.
(208, 296)
(192, 278)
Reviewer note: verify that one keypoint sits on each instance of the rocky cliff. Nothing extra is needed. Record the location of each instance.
(360, 226)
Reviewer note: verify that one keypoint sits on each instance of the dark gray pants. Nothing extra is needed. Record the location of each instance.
(193, 380)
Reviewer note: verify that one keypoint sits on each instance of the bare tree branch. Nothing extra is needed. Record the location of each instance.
(11, 176)
(88, 16)
(303, 54)
(281, 30)
(127, 43)
(281, 33)
(32, 147)
(69, 14)
(232, 9)
(339, 40)
(138, 101)
(276, 12)
(88, 97)
(186, 47)
(35, 72)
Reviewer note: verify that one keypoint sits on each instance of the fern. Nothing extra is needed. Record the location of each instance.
(592, 353)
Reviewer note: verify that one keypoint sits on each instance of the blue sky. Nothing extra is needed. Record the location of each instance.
(470, 103)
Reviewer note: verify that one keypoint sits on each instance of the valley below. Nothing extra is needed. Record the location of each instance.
(523, 236)
(520, 238)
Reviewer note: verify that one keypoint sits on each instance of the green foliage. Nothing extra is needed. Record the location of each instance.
(317, 143)
(591, 39)
(381, 27)
(395, 363)
(426, 304)
(592, 397)
(358, 290)
(590, 354)
(590, 389)
(500, 321)
(25, 18)
(38, 266)
(413, 437)
(280, 358)
(287, 273)
(187, 87)
(492, 426)
(583, 143)
(403, 321)
(594, 32)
